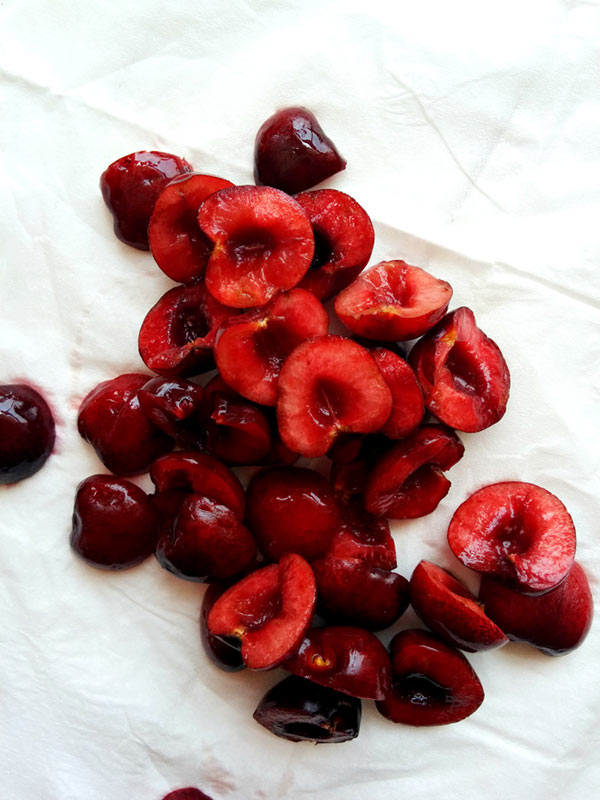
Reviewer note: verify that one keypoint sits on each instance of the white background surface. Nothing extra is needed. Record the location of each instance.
(471, 134)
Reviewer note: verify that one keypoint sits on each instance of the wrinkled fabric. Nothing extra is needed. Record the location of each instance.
(471, 135)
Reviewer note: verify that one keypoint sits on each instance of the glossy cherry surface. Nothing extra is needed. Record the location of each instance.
(27, 432)
(293, 153)
(114, 523)
(302, 711)
(225, 652)
(130, 187)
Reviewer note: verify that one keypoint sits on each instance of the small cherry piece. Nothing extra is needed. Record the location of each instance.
(393, 302)
(251, 348)
(353, 593)
(517, 532)
(449, 609)
(363, 536)
(344, 240)
(206, 541)
(114, 523)
(224, 652)
(407, 397)
(200, 474)
(349, 660)
(328, 386)
(130, 187)
(270, 610)
(432, 683)
(173, 405)
(178, 245)
(407, 481)
(188, 793)
(178, 333)
(291, 510)
(556, 622)
(302, 711)
(27, 432)
(112, 421)
(263, 244)
(235, 431)
(462, 372)
(293, 153)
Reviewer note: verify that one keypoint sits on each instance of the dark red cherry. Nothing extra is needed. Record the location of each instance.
(114, 523)
(293, 153)
(26, 432)
(302, 711)
(187, 794)
(130, 187)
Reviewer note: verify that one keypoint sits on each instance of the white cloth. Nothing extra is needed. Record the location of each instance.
(471, 135)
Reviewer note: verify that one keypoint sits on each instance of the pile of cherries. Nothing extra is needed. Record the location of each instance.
(301, 566)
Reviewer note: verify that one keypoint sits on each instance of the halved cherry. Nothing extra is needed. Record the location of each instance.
(407, 481)
(224, 652)
(178, 245)
(201, 474)
(302, 711)
(293, 153)
(235, 431)
(432, 683)
(515, 531)
(112, 421)
(114, 523)
(270, 610)
(353, 593)
(393, 301)
(328, 386)
(291, 510)
(449, 609)
(174, 406)
(344, 240)
(178, 333)
(263, 244)
(363, 536)
(251, 348)
(130, 187)
(347, 659)
(556, 622)
(407, 397)
(462, 372)
(206, 541)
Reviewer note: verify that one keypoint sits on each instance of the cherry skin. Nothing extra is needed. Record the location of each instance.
(189, 793)
(225, 652)
(302, 711)
(27, 432)
(114, 523)
(293, 153)
(130, 187)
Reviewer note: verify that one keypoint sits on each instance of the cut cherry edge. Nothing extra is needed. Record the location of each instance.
(262, 244)
(178, 333)
(178, 245)
(432, 682)
(393, 301)
(408, 408)
(293, 153)
(556, 622)
(224, 652)
(344, 239)
(270, 611)
(329, 386)
(462, 372)
(407, 480)
(348, 659)
(449, 609)
(250, 349)
(362, 536)
(173, 405)
(201, 474)
(515, 531)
